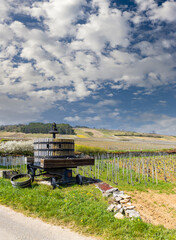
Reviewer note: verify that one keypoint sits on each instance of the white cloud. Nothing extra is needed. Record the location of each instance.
(106, 102)
(103, 103)
(92, 119)
(160, 123)
(162, 102)
(68, 60)
(72, 119)
(82, 120)
(108, 26)
(166, 12)
(58, 15)
(4, 9)
(61, 108)
(144, 5)
(114, 114)
(15, 110)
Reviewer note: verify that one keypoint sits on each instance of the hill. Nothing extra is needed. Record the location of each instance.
(108, 139)
(123, 140)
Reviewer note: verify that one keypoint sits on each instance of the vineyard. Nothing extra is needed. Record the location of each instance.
(133, 170)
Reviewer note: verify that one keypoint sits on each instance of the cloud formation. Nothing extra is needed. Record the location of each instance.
(67, 50)
(159, 123)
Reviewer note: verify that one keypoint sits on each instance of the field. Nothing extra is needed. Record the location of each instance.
(118, 140)
(108, 139)
(150, 179)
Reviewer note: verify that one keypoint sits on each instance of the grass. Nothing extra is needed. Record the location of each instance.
(89, 150)
(4, 140)
(142, 186)
(81, 207)
(22, 179)
(81, 136)
(3, 168)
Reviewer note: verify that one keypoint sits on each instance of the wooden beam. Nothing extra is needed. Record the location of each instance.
(66, 163)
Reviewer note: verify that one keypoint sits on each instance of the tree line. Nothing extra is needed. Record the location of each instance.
(38, 127)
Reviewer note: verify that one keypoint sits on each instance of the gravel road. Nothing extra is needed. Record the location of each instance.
(16, 226)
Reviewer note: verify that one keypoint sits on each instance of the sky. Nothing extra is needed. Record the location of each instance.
(97, 63)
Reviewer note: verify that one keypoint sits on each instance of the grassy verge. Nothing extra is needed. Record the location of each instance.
(81, 207)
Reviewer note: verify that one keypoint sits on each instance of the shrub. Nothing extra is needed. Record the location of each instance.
(17, 147)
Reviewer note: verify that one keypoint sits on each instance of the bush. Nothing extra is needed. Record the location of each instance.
(17, 148)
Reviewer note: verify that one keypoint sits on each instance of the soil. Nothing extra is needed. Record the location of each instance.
(156, 208)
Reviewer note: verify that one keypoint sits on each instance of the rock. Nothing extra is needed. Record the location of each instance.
(118, 193)
(129, 207)
(117, 199)
(119, 215)
(1, 173)
(125, 196)
(7, 173)
(117, 208)
(111, 207)
(128, 204)
(132, 214)
(106, 194)
(123, 201)
(122, 211)
(112, 190)
(45, 183)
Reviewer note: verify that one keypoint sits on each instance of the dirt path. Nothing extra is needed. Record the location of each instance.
(156, 208)
(16, 226)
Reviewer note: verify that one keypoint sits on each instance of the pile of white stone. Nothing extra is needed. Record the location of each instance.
(121, 204)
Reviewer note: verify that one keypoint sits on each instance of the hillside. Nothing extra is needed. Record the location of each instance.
(123, 140)
(108, 139)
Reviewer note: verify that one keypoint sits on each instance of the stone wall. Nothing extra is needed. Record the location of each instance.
(120, 202)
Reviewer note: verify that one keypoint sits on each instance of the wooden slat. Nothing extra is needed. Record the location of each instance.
(30, 159)
(66, 163)
(53, 147)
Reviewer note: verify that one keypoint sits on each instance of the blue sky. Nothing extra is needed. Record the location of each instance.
(100, 63)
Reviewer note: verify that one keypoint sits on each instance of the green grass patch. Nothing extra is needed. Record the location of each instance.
(81, 207)
(89, 150)
(22, 179)
(144, 186)
(3, 167)
(4, 140)
(89, 133)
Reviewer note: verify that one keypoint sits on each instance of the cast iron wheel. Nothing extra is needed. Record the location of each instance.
(79, 179)
(53, 182)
